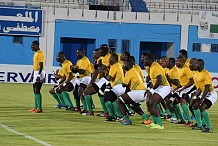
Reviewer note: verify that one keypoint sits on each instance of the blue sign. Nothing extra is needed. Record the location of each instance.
(20, 21)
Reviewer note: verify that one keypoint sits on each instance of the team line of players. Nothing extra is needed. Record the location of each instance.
(121, 87)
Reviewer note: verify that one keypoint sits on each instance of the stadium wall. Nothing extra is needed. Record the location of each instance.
(62, 22)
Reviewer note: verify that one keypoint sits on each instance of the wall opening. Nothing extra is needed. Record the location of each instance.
(70, 45)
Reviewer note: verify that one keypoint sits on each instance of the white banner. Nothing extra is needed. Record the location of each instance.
(208, 25)
(22, 73)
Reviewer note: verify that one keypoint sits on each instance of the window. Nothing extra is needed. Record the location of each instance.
(196, 47)
(18, 39)
(125, 45)
(214, 47)
(112, 43)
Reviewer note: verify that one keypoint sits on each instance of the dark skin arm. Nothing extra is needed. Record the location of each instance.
(158, 82)
(75, 69)
(173, 81)
(40, 71)
(94, 76)
(110, 78)
(206, 90)
(189, 84)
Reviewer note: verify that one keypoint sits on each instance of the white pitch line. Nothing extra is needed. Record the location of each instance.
(27, 136)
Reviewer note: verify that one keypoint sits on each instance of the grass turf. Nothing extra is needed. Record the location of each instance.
(60, 127)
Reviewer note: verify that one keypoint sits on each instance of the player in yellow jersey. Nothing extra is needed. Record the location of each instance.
(115, 88)
(135, 96)
(159, 90)
(206, 96)
(66, 85)
(98, 85)
(37, 76)
(137, 68)
(163, 62)
(83, 67)
(192, 91)
(173, 78)
(55, 91)
(186, 82)
(113, 50)
(184, 54)
(147, 68)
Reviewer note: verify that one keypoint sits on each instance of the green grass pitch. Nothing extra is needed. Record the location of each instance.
(60, 127)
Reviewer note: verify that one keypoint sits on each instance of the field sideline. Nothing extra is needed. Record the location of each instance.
(59, 127)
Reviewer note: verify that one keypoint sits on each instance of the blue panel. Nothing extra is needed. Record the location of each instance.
(210, 58)
(18, 21)
(12, 53)
(102, 31)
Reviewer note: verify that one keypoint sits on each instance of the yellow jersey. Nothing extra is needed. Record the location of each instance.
(156, 70)
(184, 75)
(133, 80)
(139, 70)
(204, 78)
(92, 68)
(116, 72)
(173, 74)
(187, 62)
(166, 70)
(66, 68)
(105, 60)
(84, 64)
(38, 57)
(195, 74)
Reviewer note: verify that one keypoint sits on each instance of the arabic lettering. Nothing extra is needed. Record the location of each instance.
(19, 17)
(21, 28)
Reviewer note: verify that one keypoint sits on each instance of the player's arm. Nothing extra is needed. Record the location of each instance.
(94, 76)
(189, 84)
(173, 81)
(158, 82)
(69, 78)
(206, 90)
(62, 79)
(40, 71)
(110, 78)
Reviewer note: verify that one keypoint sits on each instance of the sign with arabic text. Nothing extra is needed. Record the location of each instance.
(20, 21)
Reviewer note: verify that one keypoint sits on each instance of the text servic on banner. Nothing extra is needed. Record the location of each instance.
(208, 25)
(19, 21)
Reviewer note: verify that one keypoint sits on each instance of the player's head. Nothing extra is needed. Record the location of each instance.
(142, 57)
(180, 61)
(113, 58)
(60, 57)
(35, 46)
(148, 59)
(125, 56)
(163, 61)
(112, 50)
(192, 64)
(128, 64)
(132, 58)
(80, 53)
(200, 64)
(95, 54)
(171, 63)
(183, 53)
(103, 50)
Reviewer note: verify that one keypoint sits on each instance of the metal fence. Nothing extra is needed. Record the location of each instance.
(191, 7)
